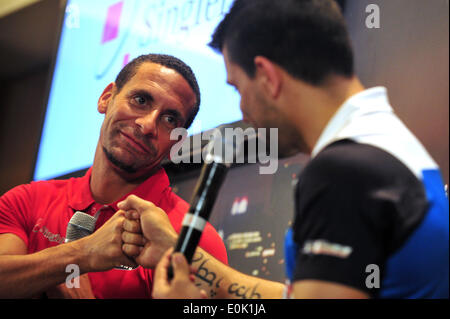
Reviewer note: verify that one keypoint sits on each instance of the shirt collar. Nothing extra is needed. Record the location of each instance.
(80, 196)
(362, 103)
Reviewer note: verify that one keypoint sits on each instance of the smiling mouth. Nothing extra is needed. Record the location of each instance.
(135, 144)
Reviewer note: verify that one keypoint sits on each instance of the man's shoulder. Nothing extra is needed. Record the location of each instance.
(173, 203)
(354, 161)
(37, 186)
(52, 186)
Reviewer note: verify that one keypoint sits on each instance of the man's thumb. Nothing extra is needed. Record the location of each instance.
(133, 202)
(180, 265)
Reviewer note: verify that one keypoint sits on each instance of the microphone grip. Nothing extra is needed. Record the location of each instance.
(189, 250)
(211, 178)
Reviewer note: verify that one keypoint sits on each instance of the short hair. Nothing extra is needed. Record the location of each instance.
(170, 62)
(307, 38)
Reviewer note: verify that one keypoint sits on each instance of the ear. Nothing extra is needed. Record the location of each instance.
(105, 98)
(269, 76)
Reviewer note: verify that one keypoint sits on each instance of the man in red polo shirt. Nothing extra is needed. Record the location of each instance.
(152, 95)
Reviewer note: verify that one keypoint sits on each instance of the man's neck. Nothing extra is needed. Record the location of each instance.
(319, 105)
(106, 184)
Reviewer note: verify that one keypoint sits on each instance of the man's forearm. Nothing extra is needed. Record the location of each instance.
(23, 276)
(223, 282)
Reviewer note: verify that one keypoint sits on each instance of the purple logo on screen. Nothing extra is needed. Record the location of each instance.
(111, 28)
(126, 58)
(119, 18)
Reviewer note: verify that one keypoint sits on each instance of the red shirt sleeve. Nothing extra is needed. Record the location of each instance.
(15, 207)
(213, 244)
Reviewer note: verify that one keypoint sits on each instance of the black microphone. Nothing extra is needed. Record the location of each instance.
(219, 156)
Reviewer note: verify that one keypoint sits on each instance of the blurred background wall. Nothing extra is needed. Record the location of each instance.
(28, 40)
(409, 54)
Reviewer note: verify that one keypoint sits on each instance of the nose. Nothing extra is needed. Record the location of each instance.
(149, 123)
(245, 117)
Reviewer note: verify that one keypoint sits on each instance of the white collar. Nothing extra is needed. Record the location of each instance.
(362, 103)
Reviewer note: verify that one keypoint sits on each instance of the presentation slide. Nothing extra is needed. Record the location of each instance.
(97, 39)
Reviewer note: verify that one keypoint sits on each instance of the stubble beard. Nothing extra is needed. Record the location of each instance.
(130, 169)
(290, 141)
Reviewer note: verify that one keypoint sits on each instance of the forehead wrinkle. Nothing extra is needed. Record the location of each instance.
(167, 79)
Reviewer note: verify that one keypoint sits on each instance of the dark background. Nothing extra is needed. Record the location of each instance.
(409, 54)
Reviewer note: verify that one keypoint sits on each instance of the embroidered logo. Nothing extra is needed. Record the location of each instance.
(46, 233)
(323, 247)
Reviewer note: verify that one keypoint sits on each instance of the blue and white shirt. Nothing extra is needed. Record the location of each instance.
(371, 199)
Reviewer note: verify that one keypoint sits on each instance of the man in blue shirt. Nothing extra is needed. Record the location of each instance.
(371, 201)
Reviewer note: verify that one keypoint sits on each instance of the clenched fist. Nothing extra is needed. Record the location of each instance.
(147, 233)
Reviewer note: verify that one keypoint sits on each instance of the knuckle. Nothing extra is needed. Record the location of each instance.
(135, 226)
(127, 225)
(131, 226)
(129, 249)
(117, 239)
(118, 226)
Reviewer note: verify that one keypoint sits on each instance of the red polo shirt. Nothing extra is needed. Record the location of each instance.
(40, 211)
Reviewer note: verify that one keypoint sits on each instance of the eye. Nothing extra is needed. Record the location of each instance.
(170, 120)
(140, 100)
